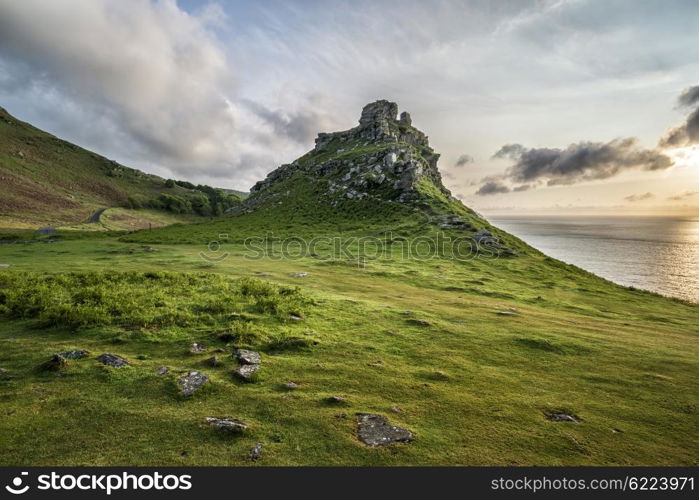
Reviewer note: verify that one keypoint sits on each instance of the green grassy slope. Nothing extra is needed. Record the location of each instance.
(474, 385)
(47, 181)
(471, 352)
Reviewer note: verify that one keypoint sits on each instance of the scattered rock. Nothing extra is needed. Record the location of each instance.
(191, 382)
(213, 361)
(291, 385)
(163, 370)
(561, 416)
(256, 452)
(299, 275)
(112, 360)
(4, 266)
(295, 317)
(150, 249)
(507, 313)
(246, 372)
(227, 424)
(76, 354)
(336, 399)
(220, 350)
(418, 322)
(197, 348)
(378, 362)
(246, 357)
(396, 409)
(375, 430)
(56, 363)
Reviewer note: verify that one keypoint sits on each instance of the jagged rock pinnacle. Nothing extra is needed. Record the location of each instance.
(383, 158)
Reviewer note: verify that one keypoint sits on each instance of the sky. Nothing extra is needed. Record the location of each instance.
(535, 106)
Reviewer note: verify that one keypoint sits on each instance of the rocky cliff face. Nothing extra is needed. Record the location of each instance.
(383, 157)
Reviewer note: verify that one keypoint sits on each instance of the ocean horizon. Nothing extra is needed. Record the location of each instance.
(656, 253)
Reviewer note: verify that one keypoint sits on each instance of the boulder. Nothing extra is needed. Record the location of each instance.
(227, 424)
(375, 430)
(197, 348)
(191, 382)
(213, 361)
(246, 357)
(405, 119)
(112, 360)
(256, 452)
(246, 372)
(291, 385)
(163, 370)
(75, 354)
(56, 363)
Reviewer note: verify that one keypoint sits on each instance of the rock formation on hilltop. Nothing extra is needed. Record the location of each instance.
(382, 166)
(383, 157)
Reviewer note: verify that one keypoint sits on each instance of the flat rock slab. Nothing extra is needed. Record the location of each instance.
(418, 322)
(227, 424)
(375, 430)
(192, 382)
(247, 357)
(559, 416)
(112, 360)
(246, 372)
(76, 354)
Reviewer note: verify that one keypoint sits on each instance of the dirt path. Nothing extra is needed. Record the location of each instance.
(94, 218)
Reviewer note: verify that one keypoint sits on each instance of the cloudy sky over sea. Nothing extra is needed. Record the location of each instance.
(534, 105)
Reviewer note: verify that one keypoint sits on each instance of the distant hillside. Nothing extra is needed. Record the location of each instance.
(45, 180)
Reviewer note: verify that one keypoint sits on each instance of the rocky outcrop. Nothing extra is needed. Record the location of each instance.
(382, 157)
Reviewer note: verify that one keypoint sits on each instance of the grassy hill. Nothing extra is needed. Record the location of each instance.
(47, 181)
(478, 354)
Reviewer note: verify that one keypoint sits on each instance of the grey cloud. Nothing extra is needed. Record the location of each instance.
(301, 126)
(510, 151)
(687, 133)
(689, 96)
(492, 187)
(464, 160)
(522, 187)
(684, 196)
(580, 162)
(639, 197)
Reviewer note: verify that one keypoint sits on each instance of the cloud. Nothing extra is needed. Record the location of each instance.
(639, 197)
(522, 187)
(146, 83)
(583, 161)
(492, 187)
(689, 96)
(687, 133)
(464, 160)
(684, 196)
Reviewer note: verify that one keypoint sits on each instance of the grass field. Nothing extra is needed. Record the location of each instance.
(473, 385)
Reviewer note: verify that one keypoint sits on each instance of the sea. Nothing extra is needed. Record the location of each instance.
(656, 253)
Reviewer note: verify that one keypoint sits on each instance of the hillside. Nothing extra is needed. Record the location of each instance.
(362, 288)
(47, 181)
